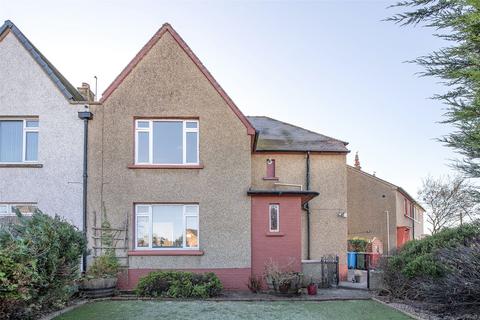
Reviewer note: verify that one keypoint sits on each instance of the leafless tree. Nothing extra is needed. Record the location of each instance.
(449, 201)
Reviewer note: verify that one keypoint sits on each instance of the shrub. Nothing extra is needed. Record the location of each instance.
(440, 272)
(39, 261)
(357, 244)
(105, 266)
(179, 284)
(255, 284)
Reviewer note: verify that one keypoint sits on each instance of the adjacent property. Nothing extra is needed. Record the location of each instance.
(379, 209)
(196, 185)
(41, 136)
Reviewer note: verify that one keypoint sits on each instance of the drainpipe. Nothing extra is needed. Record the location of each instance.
(85, 116)
(307, 206)
(413, 222)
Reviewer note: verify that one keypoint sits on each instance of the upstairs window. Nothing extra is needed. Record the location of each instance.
(274, 217)
(270, 168)
(166, 142)
(18, 140)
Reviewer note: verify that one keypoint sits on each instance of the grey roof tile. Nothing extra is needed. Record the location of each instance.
(275, 135)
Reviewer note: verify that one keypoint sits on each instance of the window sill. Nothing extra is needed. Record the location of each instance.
(165, 253)
(162, 166)
(271, 178)
(274, 234)
(21, 165)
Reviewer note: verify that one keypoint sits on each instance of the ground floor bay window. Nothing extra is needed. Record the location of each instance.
(166, 226)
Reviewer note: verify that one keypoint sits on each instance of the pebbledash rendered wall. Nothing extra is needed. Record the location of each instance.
(328, 233)
(167, 83)
(26, 90)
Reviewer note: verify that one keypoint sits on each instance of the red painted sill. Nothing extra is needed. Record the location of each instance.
(165, 253)
(161, 166)
(275, 234)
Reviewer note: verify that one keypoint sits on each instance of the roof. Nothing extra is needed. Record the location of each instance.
(275, 135)
(60, 81)
(305, 195)
(164, 29)
(399, 189)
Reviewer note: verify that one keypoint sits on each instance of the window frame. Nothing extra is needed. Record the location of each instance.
(9, 206)
(25, 130)
(270, 206)
(149, 130)
(150, 225)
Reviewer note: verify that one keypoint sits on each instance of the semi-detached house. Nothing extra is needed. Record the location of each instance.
(202, 187)
(187, 181)
(41, 135)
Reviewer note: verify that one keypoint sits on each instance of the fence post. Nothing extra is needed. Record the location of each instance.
(367, 266)
(338, 270)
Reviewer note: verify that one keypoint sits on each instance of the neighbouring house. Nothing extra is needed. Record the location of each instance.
(190, 183)
(41, 135)
(379, 209)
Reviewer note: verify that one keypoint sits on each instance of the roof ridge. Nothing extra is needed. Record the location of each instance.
(295, 126)
(398, 188)
(65, 87)
(166, 27)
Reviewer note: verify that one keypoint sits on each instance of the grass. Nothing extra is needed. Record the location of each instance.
(229, 310)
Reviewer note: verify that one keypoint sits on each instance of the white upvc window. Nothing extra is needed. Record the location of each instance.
(19, 140)
(166, 142)
(274, 217)
(10, 209)
(166, 226)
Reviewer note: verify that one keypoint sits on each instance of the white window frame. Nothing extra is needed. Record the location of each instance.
(150, 225)
(10, 213)
(24, 138)
(270, 206)
(149, 130)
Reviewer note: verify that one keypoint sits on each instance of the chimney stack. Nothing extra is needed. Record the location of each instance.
(357, 162)
(86, 92)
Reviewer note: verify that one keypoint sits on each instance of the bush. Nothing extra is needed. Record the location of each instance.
(39, 262)
(105, 266)
(440, 272)
(179, 284)
(417, 257)
(357, 244)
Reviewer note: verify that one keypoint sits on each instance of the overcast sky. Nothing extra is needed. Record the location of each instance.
(330, 66)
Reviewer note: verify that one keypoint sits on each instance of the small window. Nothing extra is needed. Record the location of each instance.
(18, 141)
(405, 205)
(10, 209)
(274, 213)
(270, 168)
(167, 226)
(166, 142)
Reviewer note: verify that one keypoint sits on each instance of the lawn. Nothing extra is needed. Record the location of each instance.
(203, 310)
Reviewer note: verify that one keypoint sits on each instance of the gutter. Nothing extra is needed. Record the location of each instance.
(85, 116)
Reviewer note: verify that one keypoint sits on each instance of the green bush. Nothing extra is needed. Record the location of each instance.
(357, 244)
(417, 257)
(179, 284)
(440, 272)
(39, 262)
(105, 266)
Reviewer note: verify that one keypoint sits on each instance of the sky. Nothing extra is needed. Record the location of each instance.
(333, 67)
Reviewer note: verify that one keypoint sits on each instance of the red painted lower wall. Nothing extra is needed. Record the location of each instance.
(231, 278)
(283, 247)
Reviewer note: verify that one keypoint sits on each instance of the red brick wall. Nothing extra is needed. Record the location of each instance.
(283, 246)
(231, 278)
